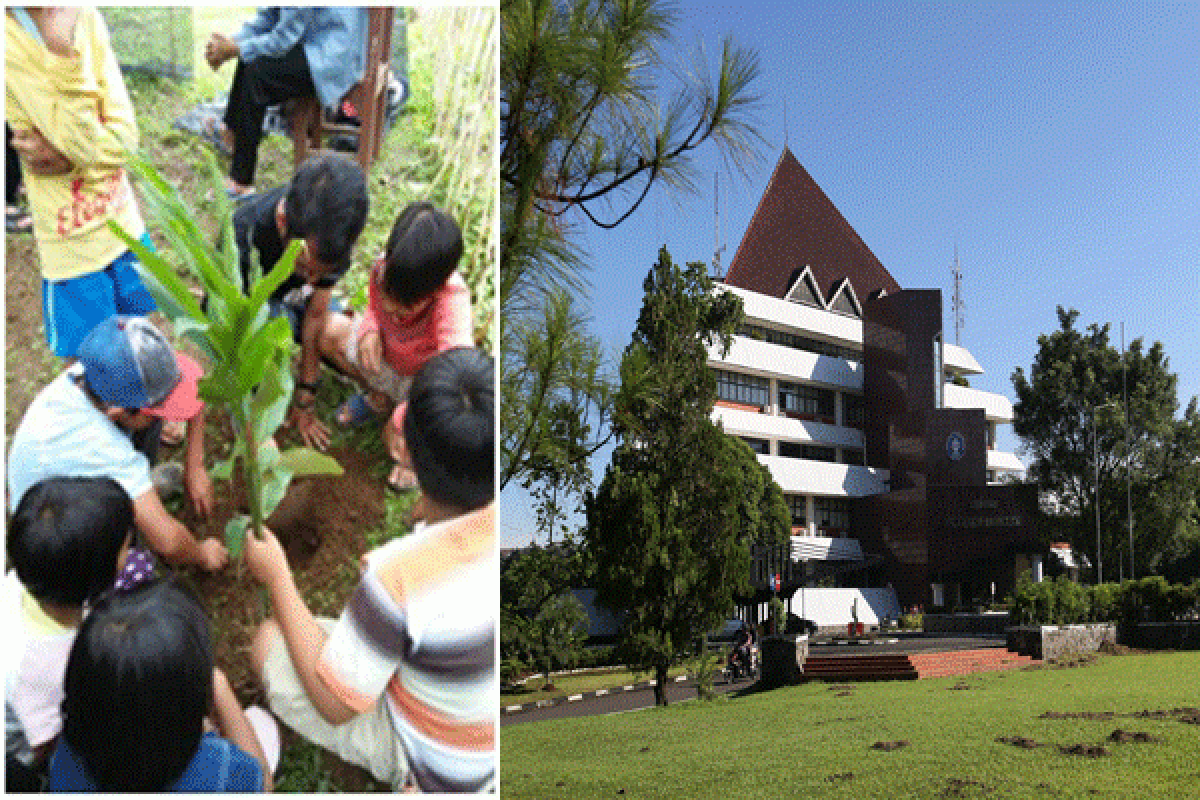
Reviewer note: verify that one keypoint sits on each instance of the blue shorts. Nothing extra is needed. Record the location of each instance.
(71, 308)
(293, 311)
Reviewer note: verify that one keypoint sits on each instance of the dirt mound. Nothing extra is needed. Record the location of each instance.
(959, 787)
(841, 777)
(1019, 741)
(889, 746)
(1132, 736)
(1093, 715)
(1086, 750)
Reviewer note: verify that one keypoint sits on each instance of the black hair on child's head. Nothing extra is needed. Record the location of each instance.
(327, 198)
(65, 536)
(138, 684)
(449, 428)
(423, 249)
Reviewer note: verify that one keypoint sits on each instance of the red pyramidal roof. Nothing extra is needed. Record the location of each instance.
(796, 226)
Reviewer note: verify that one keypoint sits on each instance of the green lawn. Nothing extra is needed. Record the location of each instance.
(814, 740)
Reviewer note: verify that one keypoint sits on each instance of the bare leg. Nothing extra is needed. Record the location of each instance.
(260, 647)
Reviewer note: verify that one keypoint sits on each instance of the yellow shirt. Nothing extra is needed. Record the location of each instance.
(79, 103)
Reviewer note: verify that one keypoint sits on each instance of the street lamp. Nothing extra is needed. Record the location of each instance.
(1096, 463)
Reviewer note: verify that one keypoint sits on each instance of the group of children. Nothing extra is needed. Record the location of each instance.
(111, 685)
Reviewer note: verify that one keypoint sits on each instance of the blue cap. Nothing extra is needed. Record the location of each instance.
(128, 363)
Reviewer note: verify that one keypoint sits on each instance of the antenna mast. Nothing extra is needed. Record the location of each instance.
(958, 305)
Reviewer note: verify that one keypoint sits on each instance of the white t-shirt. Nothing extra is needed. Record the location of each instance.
(63, 435)
(36, 650)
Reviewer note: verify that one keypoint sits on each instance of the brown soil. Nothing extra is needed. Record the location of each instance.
(1086, 750)
(958, 787)
(889, 746)
(1020, 741)
(841, 777)
(1093, 715)
(1132, 736)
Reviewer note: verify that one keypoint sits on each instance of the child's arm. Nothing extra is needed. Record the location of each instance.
(303, 636)
(88, 117)
(233, 725)
(169, 538)
(195, 477)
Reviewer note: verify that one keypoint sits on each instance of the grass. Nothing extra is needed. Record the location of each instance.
(807, 740)
(565, 685)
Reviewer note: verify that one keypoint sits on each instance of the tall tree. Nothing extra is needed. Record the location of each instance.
(670, 528)
(542, 624)
(584, 137)
(1075, 375)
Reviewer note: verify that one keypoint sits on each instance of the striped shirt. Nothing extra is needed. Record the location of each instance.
(420, 630)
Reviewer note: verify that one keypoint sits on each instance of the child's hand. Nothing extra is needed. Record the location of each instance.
(265, 557)
(219, 49)
(39, 156)
(213, 555)
(370, 353)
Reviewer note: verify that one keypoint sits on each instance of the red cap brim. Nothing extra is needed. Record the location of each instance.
(184, 400)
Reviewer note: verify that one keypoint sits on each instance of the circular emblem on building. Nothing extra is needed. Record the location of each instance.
(956, 446)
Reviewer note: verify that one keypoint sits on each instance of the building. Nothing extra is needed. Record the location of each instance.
(843, 384)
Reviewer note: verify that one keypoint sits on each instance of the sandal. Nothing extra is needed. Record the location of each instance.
(356, 412)
(17, 220)
(402, 479)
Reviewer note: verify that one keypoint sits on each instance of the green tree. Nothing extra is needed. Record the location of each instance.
(670, 528)
(1076, 374)
(542, 624)
(584, 137)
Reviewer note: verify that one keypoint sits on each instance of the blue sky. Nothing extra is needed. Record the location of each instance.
(1057, 145)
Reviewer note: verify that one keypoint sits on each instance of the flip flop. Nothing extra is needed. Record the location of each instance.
(356, 412)
(17, 220)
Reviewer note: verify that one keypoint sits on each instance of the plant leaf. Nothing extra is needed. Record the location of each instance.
(306, 461)
(235, 535)
(274, 487)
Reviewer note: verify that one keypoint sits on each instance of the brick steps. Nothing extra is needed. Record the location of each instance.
(966, 662)
(901, 666)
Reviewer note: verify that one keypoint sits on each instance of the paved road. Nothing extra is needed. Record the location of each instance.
(616, 702)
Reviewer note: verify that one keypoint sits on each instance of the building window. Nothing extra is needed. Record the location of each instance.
(798, 504)
(736, 387)
(800, 399)
(760, 446)
(854, 456)
(811, 452)
(854, 408)
(814, 453)
(796, 342)
(832, 513)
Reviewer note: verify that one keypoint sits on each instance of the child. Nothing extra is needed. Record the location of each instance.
(66, 542)
(89, 420)
(418, 306)
(139, 682)
(404, 683)
(72, 124)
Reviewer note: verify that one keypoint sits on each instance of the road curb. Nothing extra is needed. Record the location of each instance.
(575, 698)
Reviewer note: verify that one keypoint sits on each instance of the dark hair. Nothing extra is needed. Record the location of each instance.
(422, 250)
(65, 536)
(327, 198)
(138, 683)
(449, 428)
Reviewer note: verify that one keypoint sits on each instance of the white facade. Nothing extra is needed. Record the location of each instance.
(791, 385)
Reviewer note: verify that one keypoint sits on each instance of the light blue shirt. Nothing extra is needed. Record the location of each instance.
(334, 40)
(64, 435)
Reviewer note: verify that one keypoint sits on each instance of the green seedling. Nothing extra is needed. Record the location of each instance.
(248, 353)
